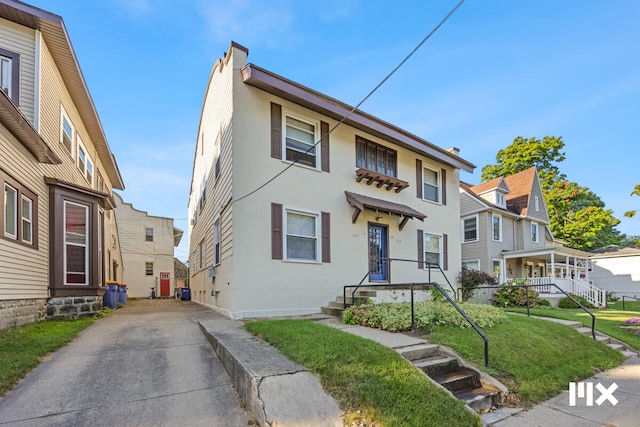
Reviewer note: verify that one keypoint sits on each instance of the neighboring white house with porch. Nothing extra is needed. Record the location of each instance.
(505, 231)
(616, 269)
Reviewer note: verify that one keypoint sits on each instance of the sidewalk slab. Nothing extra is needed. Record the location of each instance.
(277, 391)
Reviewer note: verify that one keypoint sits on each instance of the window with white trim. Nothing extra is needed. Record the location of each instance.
(497, 269)
(537, 203)
(470, 229)
(148, 234)
(66, 131)
(432, 249)
(472, 264)
(18, 216)
(534, 232)
(6, 65)
(430, 185)
(496, 227)
(301, 235)
(10, 74)
(300, 137)
(76, 244)
(148, 268)
(85, 164)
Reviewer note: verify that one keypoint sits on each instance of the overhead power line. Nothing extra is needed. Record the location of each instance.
(383, 81)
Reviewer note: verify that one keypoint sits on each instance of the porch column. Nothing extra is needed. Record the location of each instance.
(553, 265)
(567, 273)
(575, 268)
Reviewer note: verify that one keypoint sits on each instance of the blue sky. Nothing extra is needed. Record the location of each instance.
(497, 69)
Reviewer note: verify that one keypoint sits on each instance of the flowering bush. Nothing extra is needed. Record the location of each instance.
(632, 321)
(514, 297)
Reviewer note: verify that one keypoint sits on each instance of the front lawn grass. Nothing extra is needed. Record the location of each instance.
(608, 321)
(364, 376)
(21, 348)
(536, 359)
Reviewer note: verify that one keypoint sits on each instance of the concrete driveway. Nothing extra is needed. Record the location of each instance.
(145, 365)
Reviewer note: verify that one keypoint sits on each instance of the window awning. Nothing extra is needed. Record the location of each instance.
(360, 203)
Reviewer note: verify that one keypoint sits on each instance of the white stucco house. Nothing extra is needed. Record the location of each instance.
(336, 203)
(147, 243)
(617, 270)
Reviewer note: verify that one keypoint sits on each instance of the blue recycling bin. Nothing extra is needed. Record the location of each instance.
(186, 294)
(110, 298)
(122, 293)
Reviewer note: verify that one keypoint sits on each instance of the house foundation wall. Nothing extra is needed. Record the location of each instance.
(21, 311)
(73, 307)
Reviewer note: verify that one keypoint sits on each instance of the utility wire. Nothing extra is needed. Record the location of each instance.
(388, 76)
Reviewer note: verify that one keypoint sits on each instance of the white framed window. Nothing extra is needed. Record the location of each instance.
(300, 137)
(6, 66)
(216, 240)
(203, 192)
(500, 201)
(432, 249)
(301, 233)
(470, 229)
(85, 164)
(148, 268)
(496, 227)
(472, 264)
(10, 211)
(10, 74)
(536, 203)
(497, 269)
(27, 219)
(76, 244)
(534, 233)
(67, 131)
(430, 185)
(148, 234)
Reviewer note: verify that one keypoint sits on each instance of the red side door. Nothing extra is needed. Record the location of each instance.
(164, 284)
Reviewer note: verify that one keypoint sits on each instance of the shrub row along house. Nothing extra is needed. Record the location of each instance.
(367, 191)
(58, 238)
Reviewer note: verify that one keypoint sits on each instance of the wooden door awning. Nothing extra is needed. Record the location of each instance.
(390, 182)
(361, 202)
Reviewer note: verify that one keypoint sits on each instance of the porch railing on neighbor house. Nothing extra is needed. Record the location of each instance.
(596, 296)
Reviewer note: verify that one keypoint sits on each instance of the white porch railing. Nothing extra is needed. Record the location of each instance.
(596, 296)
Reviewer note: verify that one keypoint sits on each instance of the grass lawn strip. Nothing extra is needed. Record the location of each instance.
(536, 359)
(371, 382)
(23, 347)
(608, 321)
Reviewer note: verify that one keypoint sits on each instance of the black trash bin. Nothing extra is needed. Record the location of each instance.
(110, 298)
(186, 294)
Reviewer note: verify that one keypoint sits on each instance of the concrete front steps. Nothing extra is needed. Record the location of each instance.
(481, 392)
(336, 307)
(615, 344)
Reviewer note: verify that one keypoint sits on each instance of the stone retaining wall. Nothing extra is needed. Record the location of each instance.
(73, 307)
(22, 311)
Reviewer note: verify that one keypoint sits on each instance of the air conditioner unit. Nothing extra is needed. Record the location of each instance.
(212, 272)
(193, 222)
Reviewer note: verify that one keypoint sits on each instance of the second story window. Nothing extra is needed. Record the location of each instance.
(431, 185)
(496, 222)
(85, 164)
(376, 157)
(534, 232)
(300, 142)
(148, 234)
(9, 74)
(470, 229)
(66, 131)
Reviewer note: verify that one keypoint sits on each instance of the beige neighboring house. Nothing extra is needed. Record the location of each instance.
(58, 237)
(369, 191)
(505, 231)
(616, 269)
(147, 250)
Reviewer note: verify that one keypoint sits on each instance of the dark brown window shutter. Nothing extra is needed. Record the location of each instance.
(324, 146)
(326, 237)
(443, 177)
(419, 178)
(276, 131)
(276, 231)
(445, 252)
(420, 249)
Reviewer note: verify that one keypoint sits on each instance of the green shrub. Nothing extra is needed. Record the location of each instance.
(566, 302)
(514, 297)
(470, 279)
(543, 303)
(394, 317)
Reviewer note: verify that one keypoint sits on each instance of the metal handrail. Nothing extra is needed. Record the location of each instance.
(430, 265)
(625, 296)
(593, 316)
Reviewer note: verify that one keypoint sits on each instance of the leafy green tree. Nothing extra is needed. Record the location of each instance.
(635, 192)
(577, 216)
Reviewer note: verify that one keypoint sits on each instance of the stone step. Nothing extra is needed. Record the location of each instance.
(480, 399)
(332, 311)
(436, 364)
(615, 346)
(417, 352)
(603, 339)
(459, 380)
